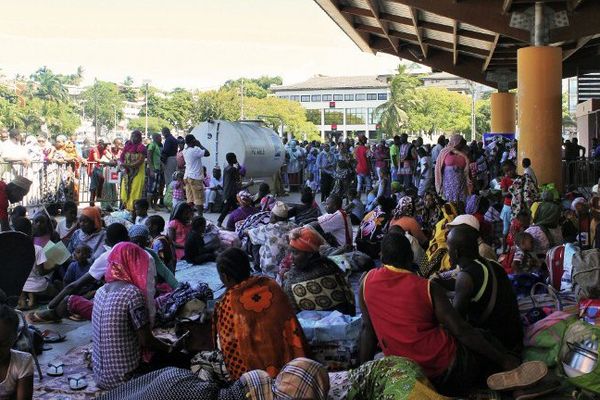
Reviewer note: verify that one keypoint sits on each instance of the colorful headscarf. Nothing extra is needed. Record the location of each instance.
(93, 213)
(299, 379)
(405, 207)
(472, 204)
(439, 163)
(139, 230)
(130, 263)
(579, 200)
(244, 198)
(547, 215)
(306, 239)
(436, 257)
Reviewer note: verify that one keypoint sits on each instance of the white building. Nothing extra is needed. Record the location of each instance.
(340, 106)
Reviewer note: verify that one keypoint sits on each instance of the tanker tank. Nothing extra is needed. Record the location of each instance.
(258, 148)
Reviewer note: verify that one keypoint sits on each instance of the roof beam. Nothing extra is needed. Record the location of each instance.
(396, 18)
(450, 47)
(580, 43)
(483, 14)
(583, 22)
(492, 49)
(374, 9)
(506, 6)
(331, 9)
(369, 29)
(573, 4)
(414, 15)
(363, 12)
(454, 42)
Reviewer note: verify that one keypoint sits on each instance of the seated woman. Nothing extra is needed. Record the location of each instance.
(263, 199)
(373, 227)
(123, 317)
(42, 229)
(195, 249)
(315, 282)
(545, 229)
(404, 218)
(245, 210)
(308, 211)
(90, 232)
(254, 323)
(299, 379)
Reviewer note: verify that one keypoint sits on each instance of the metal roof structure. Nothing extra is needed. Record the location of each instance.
(474, 39)
(337, 82)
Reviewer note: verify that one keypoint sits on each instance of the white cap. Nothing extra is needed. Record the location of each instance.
(465, 219)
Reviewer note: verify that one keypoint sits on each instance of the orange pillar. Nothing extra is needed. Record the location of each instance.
(503, 112)
(539, 79)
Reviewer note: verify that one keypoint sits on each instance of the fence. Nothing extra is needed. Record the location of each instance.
(580, 173)
(52, 182)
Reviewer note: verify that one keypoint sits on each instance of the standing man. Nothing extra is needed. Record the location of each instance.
(406, 160)
(363, 171)
(156, 180)
(167, 155)
(326, 165)
(13, 193)
(394, 150)
(193, 176)
(435, 152)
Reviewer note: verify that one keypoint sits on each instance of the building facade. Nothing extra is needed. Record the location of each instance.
(340, 107)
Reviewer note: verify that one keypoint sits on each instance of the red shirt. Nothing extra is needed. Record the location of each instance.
(362, 163)
(505, 184)
(3, 202)
(406, 325)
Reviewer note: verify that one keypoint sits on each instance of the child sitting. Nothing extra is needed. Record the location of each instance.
(140, 211)
(355, 208)
(161, 244)
(16, 366)
(524, 260)
(79, 266)
(195, 251)
(179, 227)
(37, 283)
(68, 225)
(17, 212)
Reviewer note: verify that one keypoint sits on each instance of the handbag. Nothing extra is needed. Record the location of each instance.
(548, 301)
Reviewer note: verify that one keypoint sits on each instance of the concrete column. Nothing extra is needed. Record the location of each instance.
(539, 80)
(503, 112)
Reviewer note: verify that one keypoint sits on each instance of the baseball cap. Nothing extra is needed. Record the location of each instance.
(465, 219)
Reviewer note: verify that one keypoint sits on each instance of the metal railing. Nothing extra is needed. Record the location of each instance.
(580, 173)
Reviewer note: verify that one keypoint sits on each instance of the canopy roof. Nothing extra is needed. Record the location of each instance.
(474, 39)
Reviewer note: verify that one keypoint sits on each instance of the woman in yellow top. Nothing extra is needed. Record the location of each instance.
(132, 162)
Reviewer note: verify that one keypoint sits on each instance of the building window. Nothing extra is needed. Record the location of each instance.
(295, 97)
(359, 97)
(334, 117)
(355, 116)
(338, 97)
(326, 97)
(284, 97)
(371, 96)
(373, 116)
(314, 116)
(348, 97)
(381, 96)
(315, 97)
(305, 98)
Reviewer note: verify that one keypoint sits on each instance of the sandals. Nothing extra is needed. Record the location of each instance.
(77, 382)
(52, 336)
(55, 368)
(526, 374)
(35, 318)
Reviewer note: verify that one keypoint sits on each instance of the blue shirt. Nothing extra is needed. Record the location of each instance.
(326, 162)
(170, 148)
(75, 271)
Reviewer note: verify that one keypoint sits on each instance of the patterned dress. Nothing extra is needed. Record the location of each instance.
(273, 241)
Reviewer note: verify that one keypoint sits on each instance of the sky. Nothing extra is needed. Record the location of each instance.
(196, 44)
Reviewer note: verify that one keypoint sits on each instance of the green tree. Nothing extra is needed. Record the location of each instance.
(253, 87)
(568, 119)
(155, 124)
(216, 104)
(394, 112)
(102, 101)
(127, 90)
(483, 116)
(438, 110)
(49, 86)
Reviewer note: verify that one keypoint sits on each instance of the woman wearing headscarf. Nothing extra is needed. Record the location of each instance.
(373, 228)
(299, 379)
(404, 218)
(123, 317)
(95, 169)
(134, 174)
(452, 180)
(42, 229)
(429, 212)
(90, 232)
(245, 209)
(295, 163)
(437, 257)
(255, 326)
(545, 229)
(71, 175)
(315, 282)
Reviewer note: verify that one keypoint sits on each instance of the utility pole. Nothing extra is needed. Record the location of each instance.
(473, 119)
(242, 91)
(96, 110)
(146, 82)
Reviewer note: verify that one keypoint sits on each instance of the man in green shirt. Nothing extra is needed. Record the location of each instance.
(394, 150)
(156, 179)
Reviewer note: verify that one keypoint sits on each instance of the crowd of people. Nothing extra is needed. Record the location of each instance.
(430, 246)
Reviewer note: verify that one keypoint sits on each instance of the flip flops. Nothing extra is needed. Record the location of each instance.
(55, 368)
(526, 374)
(52, 336)
(35, 318)
(77, 382)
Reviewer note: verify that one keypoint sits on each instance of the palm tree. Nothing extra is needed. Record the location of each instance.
(393, 112)
(49, 86)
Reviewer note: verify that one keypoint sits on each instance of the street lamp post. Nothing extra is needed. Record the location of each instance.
(146, 82)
